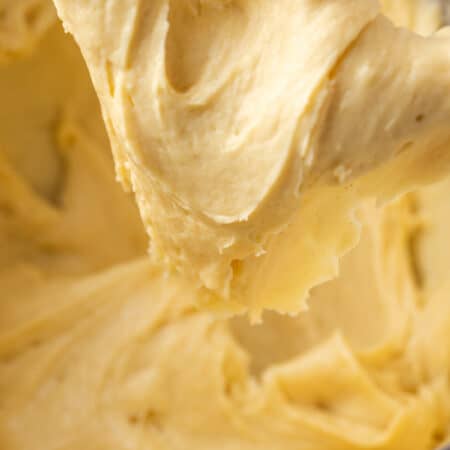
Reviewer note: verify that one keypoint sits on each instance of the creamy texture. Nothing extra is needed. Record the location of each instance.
(61, 208)
(101, 348)
(22, 24)
(246, 128)
(423, 16)
(124, 361)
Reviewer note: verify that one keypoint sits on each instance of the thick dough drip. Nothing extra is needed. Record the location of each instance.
(268, 119)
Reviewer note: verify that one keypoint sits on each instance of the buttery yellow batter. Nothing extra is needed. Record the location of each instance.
(246, 128)
(102, 348)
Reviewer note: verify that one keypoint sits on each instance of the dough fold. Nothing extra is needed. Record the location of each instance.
(250, 130)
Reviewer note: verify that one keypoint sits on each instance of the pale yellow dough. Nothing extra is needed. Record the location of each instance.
(245, 128)
(102, 348)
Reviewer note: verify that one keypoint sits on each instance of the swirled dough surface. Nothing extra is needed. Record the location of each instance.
(247, 128)
(101, 348)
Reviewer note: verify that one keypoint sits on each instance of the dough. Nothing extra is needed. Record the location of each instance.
(60, 206)
(123, 360)
(22, 24)
(250, 130)
(101, 348)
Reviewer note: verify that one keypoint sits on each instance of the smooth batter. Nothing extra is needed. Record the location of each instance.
(101, 348)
